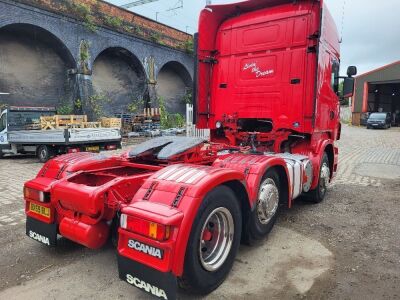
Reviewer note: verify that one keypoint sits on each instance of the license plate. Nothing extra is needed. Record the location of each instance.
(40, 210)
(93, 149)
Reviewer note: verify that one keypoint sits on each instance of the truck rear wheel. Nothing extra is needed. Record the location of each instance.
(263, 217)
(318, 195)
(213, 243)
(44, 153)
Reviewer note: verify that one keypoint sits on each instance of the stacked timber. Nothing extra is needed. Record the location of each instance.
(66, 121)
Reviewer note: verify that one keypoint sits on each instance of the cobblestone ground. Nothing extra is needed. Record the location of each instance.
(359, 146)
(13, 173)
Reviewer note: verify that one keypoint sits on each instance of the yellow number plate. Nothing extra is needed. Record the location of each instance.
(93, 149)
(40, 210)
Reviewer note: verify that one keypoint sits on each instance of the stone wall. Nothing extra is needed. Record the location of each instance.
(95, 13)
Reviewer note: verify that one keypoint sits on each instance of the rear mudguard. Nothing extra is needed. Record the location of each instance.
(180, 187)
(183, 188)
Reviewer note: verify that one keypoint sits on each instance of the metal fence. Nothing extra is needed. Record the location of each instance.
(345, 114)
(191, 129)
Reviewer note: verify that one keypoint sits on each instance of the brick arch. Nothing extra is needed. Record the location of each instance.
(174, 82)
(180, 69)
(45, 34)
(36, 65)
(119, 75)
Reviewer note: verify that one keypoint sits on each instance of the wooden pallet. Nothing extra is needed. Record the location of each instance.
(92, 124)
(62, 121)
(111, 122)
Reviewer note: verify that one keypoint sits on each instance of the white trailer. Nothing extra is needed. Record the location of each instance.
(15, 138)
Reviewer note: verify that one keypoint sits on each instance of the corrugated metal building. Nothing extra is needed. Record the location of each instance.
(377, 90)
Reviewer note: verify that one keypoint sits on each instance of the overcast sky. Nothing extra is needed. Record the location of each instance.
(370, 34)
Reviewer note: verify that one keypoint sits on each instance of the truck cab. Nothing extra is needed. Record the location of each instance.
(3, 128)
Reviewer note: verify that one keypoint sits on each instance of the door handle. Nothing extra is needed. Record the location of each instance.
(295, 81)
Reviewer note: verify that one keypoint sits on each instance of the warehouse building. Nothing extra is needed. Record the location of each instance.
(377, 91)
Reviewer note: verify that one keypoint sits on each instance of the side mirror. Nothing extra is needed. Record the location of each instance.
(351, 71)
(348, 87)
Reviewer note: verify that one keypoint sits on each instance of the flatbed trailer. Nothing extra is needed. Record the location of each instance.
(177, 208)
(48, 143)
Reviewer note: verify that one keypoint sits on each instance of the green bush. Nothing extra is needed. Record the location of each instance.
(85, 13)
(168, 120)
(65, 109)
(115, 22)
(96, 104)
(189, 46)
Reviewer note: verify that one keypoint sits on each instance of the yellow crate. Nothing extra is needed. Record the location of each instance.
(111, 122)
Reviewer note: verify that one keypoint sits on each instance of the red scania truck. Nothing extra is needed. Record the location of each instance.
(267, 86)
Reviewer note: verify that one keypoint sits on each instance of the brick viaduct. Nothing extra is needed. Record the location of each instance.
(54, 52)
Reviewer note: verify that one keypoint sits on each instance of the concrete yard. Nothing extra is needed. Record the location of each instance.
(347, 247)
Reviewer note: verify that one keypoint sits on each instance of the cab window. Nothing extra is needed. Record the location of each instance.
(3, 122)
(335, 76)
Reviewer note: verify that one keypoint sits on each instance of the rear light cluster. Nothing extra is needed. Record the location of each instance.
(111, 147)
(36, 195)
(146, 228)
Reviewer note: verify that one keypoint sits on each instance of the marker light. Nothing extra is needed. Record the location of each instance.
(36, 195)
(146, 228)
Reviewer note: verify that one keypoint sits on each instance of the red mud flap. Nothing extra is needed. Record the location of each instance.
(158, 284)
(42, 232)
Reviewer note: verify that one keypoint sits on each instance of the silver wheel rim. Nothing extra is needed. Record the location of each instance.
(43, 153)
(216, 239)
(324, 178)
(268, 201)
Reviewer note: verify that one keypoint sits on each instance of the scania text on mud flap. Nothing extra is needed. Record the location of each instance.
(178, 207)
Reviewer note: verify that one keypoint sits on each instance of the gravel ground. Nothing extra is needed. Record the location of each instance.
(347, 247)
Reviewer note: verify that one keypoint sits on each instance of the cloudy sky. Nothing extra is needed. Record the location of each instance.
(370, 31)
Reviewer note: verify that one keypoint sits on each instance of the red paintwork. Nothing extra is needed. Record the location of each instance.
(259, 51)
(91, 236)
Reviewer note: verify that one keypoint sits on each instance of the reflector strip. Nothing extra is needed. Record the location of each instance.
(169, 172)
(178, 173)
(187, 175)
(200, 174)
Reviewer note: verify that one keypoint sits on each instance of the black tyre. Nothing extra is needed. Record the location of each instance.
(44, 153)
(318, 195)
(263, 217)
(213, 243)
